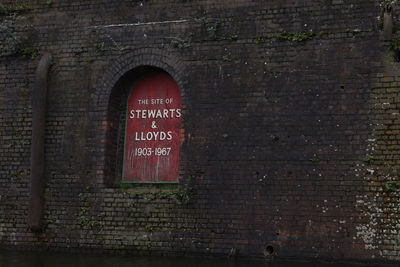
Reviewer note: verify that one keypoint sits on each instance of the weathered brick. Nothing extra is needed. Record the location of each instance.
(290, 120)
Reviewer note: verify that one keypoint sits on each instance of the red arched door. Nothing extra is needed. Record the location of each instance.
(153, 130)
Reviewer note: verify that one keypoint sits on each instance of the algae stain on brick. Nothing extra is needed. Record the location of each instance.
(368, 232)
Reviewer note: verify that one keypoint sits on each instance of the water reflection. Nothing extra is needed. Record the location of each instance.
(50, 259)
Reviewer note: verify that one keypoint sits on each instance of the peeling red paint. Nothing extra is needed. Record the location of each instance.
(153, 130)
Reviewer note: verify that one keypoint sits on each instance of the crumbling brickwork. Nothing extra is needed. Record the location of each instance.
(291, 126)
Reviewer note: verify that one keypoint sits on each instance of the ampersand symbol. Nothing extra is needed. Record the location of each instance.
(153, 125)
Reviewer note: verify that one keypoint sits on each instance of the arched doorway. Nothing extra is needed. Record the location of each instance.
(152, 129)
(109, 113)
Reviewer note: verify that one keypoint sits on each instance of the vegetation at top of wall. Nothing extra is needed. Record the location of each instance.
(304, 36)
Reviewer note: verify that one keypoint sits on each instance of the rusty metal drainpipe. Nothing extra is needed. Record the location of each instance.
(388, 22)
(39, 96)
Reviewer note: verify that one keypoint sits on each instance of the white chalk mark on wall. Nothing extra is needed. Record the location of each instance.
(138, 24)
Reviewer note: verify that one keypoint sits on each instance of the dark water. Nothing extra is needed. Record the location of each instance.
(52, 259)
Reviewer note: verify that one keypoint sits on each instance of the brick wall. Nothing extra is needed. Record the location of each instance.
(291, 128)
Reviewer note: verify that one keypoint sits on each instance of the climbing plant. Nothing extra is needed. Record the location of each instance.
(394, 46)
(13, 28)
(11, 40)
(13, 34)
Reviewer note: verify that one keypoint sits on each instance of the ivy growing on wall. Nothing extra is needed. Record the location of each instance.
(11, 34)
(8, 35)
(13, 28)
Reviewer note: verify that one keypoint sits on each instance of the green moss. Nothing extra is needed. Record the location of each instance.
(211, 28)
(259, 39)
(14, 8)
(394, 46)
(233, 37)
(227, 58)
(85, 220)
(50, 220)
(182, 197)
(99, 47)
(125, 185)
(178, 42)
(391, 186)
(149, 228)
(395, 43)
(368, 160)
(29, 52)
(374, 160)
(295, 37)
(17, 176)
